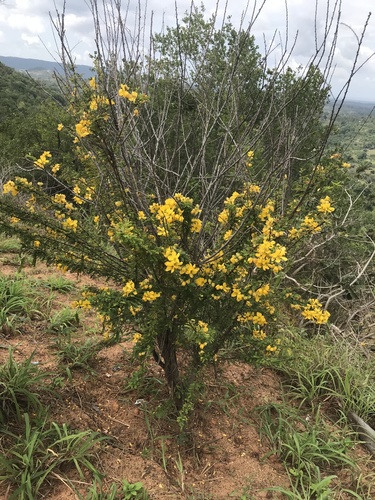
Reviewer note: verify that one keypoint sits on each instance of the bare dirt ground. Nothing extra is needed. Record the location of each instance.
(220, 456)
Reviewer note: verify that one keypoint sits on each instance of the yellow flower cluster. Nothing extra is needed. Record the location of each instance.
(99, 101)
(250, 157)
(124, 92)
(311, 225)
(259, 334)
(257, 319)
(313, 312)
(129, 289)
(150, 296)
(81, 304)
(171, 212)
(43, 160)
(83, 128)
(137, 337)
(261, 292)
(190, 269)
(269, 255)
(10, 187)
(70, 224)
(325, 206)
(173, 262)
(92, 82)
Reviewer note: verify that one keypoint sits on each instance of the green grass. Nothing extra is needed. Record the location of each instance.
(310, 431)
(20, 388)
(73, 356)
(9, 245)
(29, 457)
(58, 283)
(64, 321)
(317, 369)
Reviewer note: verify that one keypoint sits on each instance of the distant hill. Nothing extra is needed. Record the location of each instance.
(18, 92)
(41, 69)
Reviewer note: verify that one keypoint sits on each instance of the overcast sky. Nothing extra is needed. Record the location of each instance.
(25, 31)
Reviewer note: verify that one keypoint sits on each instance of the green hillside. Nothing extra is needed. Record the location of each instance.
(18, 93)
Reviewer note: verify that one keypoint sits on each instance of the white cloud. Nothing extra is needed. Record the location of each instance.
(23, 22)
(30, 40)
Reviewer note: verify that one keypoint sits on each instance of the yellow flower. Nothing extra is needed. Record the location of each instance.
(150, 296)
(36, 244)
(14, 220)
(173, 261)
(259, 334)
(141, 215)
(237, 294)
(203, 326)
(325, 205)
(94, 105)
(10, 187)
(266, 211)
(228, 234)
(92, 83)
(42, 161)
(200, 281)
(136, 112)
(70, 224)
(313, 312)
(196, 225)
(124, 92)
(261, 292)
(253, 188)
(137, 337)
(60, 126)
(270, 349)
(310, 224)
(129, 288)
(55, 168)
(346, 165)
(189, 269)
(293, 233)
(223, 216)
(259, 319)
(83, 128)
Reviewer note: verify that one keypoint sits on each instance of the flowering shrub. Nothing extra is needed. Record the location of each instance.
(181, 277)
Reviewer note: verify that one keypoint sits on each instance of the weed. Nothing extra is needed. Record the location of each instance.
(29, 458)
(18, 381)
(133, 490)
(321, 370)
(96, 492)
(77, 356)
(181, 471)
(18, 301)
(64, 321)
(14, 295)
(10, 245)
(305, 447)
(59, 283)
